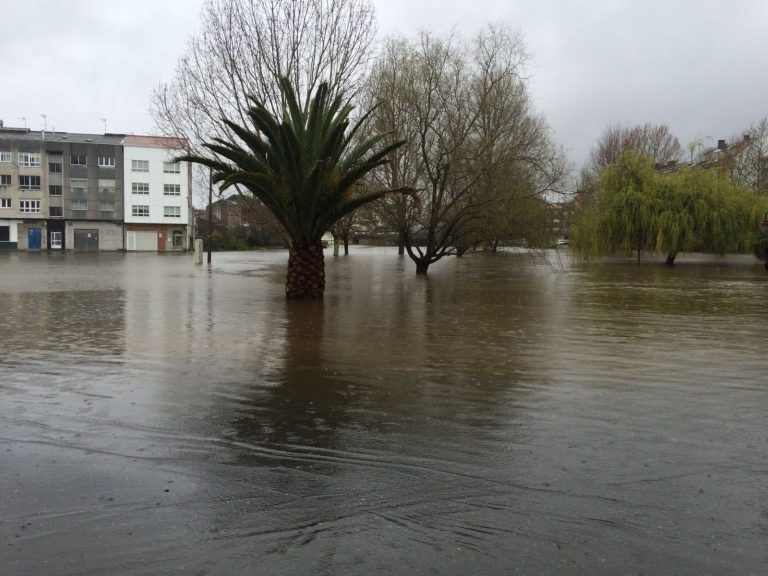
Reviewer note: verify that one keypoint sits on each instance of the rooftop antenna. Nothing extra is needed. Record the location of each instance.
(105, 124)
(23, 120)
(45, 121)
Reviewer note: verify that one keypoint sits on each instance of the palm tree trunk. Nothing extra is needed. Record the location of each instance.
(306, 271)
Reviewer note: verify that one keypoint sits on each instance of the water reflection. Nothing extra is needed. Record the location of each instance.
(85, 322)
(500, 416)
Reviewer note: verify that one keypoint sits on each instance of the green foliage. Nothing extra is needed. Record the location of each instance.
(305, 167)
(637, 209)
(760, 244)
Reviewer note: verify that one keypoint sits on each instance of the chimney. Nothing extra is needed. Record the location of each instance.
(747, 137)
(721, 145)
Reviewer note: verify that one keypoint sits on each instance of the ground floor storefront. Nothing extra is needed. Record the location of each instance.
(94, 236)
(155, 237)
(9, 234)
(90, 235)
(31, 235)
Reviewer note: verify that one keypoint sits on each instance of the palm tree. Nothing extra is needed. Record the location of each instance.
(306, 169)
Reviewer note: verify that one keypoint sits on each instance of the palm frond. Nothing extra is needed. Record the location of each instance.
(305, 166)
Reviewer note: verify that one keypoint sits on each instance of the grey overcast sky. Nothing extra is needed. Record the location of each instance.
(701, 66)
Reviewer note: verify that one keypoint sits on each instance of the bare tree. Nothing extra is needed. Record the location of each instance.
(749, 158)
(386, 91)
(519, 164)
(244, 47)
(654, 140)
(463, 108)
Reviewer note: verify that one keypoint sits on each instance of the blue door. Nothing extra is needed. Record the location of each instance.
(34, 238)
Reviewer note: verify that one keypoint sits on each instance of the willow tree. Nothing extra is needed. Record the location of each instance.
(637, 209)
(306, 168)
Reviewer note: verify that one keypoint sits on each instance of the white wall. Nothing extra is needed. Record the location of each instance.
(156, 179)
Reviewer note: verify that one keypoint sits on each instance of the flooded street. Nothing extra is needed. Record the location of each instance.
(500, 417)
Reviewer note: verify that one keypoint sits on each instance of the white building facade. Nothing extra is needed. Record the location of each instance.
(157, 194)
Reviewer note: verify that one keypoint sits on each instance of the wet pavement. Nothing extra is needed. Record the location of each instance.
(503, 416)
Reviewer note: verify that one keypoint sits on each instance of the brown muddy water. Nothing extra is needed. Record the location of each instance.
(502, 416)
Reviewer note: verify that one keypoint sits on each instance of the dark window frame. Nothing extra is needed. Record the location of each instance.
(30, 185)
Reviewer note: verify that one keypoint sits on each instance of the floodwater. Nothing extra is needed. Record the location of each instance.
(503, 416)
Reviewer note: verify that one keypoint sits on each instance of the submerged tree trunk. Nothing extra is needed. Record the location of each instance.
(306, 271)
(421, 267)
(335, 245)
(671, 259)
(346, 244)
(401, 244)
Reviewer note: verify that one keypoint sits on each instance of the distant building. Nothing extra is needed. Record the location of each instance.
(237, 222)
(63, 190)
(157, 194)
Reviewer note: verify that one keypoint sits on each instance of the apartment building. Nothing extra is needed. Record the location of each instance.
(158, 194)
(23, 203)
(95, 192)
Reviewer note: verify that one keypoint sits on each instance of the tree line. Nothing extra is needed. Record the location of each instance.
(433, 138)
(639, 193)
(291, 105)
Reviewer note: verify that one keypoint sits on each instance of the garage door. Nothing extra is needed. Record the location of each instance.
(142, 241)
(86, 239)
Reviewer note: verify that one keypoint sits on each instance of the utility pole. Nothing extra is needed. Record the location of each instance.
(210, 211)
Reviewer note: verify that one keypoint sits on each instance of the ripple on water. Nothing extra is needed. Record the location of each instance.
(502, 416)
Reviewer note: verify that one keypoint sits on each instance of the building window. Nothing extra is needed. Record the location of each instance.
(108, 190)
(29, 182)
(55, 211)
(54, 167)
(172, 189)
(140, 210)
(172, 211)
(78, 185)
(5, 180)
(6, 203)
(29, 206)
(178, 236)
(54, 190)
(77, 160)
(29, 159)
(107, 205)
(5, 156)
(79, 205)
(140, 165)
(106, 161)
(171, 167)
(140, 188)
